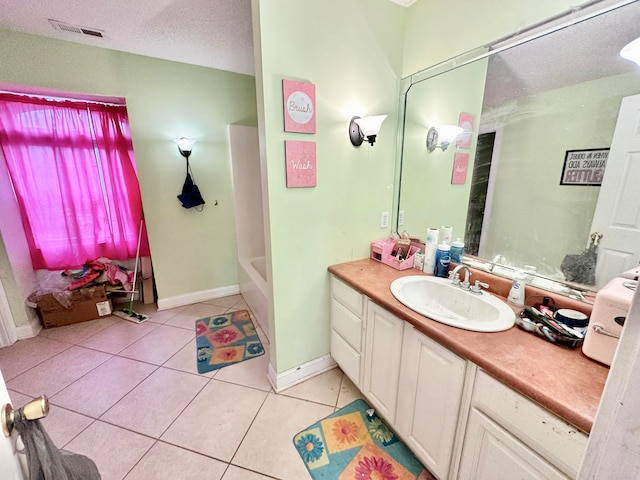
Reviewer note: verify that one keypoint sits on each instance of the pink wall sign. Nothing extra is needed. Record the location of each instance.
(301, 163)
(299, 106)
(460, 164)
(466, 121)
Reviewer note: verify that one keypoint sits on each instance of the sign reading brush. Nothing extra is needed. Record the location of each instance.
(226, 339)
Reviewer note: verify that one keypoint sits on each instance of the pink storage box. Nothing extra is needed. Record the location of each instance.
(381, 251)
(612, 301)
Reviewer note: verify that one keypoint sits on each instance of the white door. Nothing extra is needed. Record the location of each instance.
(617, 214)
(9, 464)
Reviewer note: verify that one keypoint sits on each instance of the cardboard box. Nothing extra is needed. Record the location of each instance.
(85, 304)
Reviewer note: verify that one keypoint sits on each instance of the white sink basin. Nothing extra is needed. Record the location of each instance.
(438, 299)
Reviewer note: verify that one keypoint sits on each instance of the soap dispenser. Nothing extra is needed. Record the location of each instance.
(516, 294)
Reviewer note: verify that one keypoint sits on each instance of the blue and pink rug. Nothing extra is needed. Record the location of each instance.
(355, 444)
(226, 339)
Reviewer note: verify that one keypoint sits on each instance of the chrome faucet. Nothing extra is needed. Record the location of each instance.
(455, 277)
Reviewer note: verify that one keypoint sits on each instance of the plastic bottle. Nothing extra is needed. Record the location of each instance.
(516, 294)
(443, 257)
(457, 250)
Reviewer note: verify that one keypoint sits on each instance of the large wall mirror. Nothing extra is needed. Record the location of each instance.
(523, 186)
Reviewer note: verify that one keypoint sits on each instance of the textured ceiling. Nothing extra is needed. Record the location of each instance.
(588, 50)
(210, 33)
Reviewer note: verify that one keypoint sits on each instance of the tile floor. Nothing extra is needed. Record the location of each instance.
(129, 397)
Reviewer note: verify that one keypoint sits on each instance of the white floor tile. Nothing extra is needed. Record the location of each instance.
(159, 345)
(63, 425)
(237, 473)
(217, 420)
(58, 372)
(185, 361)
(118, 336)
(25, 354)
(156, 402)
(268, 446)
(114, 450)
(103, 387)
(348, 392)
(155, 315)
(77, 332)
(167, 462)
(323, 388)
(250, 373)
(227, 302)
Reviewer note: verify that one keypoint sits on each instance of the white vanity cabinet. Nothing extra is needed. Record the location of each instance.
(347, 329)
(459, 421)
(508, 436)
(382, 351)
(432, 381)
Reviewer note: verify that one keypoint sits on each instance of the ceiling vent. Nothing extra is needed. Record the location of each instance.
(67, 27)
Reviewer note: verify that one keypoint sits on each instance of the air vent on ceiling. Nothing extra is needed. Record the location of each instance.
(67, 27)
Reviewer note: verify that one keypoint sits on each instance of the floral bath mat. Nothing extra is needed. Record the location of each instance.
(354, 443)
(226, 339)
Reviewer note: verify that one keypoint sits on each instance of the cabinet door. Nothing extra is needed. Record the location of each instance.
(491, 453)
(429, 400)
(382, 350)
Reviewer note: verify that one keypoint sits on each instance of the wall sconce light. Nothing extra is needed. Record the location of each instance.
(366, 127)
(631, 52)
(185, 146)
(441, 136)
(190, 196)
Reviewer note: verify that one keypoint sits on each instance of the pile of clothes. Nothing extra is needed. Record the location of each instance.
(100, 271)
(103, 271)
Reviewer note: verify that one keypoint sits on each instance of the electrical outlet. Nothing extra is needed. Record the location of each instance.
(384, 219)
(401, 217)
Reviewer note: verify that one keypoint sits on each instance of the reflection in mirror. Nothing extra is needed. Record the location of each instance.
(543, 115)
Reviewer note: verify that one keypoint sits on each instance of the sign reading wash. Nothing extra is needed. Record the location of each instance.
(299, 106)
(301, 163)
(584, 167)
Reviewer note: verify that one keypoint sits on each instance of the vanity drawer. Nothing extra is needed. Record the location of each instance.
(346, 357)
(346, 324)
(347, 296)
(551, 437)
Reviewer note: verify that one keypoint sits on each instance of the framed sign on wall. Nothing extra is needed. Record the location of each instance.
(584, 167)
(299, 106)
(301, 163)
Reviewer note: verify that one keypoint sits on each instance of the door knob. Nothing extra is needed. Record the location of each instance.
(35, 409)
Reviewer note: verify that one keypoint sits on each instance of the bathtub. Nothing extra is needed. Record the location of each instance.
(252, 276)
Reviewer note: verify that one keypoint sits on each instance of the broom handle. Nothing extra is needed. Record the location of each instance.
(135, 269)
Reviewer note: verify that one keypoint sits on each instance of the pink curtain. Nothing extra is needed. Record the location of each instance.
(72, 168)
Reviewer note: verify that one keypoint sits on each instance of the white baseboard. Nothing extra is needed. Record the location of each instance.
(293, 376)
(29, 330)
(195, 297)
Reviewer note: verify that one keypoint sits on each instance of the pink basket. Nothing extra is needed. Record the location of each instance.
(381, 252)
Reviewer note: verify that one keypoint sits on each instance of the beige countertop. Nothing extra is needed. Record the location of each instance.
(562, 380)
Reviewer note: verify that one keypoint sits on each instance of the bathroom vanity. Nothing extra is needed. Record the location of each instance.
(470, 405)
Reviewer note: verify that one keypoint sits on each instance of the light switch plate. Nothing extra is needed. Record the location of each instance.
(384, 219)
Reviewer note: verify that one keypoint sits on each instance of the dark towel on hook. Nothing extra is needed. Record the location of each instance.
(190, 196)
(45, 461)
(581, 268)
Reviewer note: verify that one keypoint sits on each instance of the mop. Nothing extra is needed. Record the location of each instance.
(129, 314)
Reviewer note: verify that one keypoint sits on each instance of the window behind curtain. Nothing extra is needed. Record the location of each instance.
(73, 172)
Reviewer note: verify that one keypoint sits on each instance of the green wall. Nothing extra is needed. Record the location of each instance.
(352, 51)
(428, 198)
(537, 132)
(191, 251)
